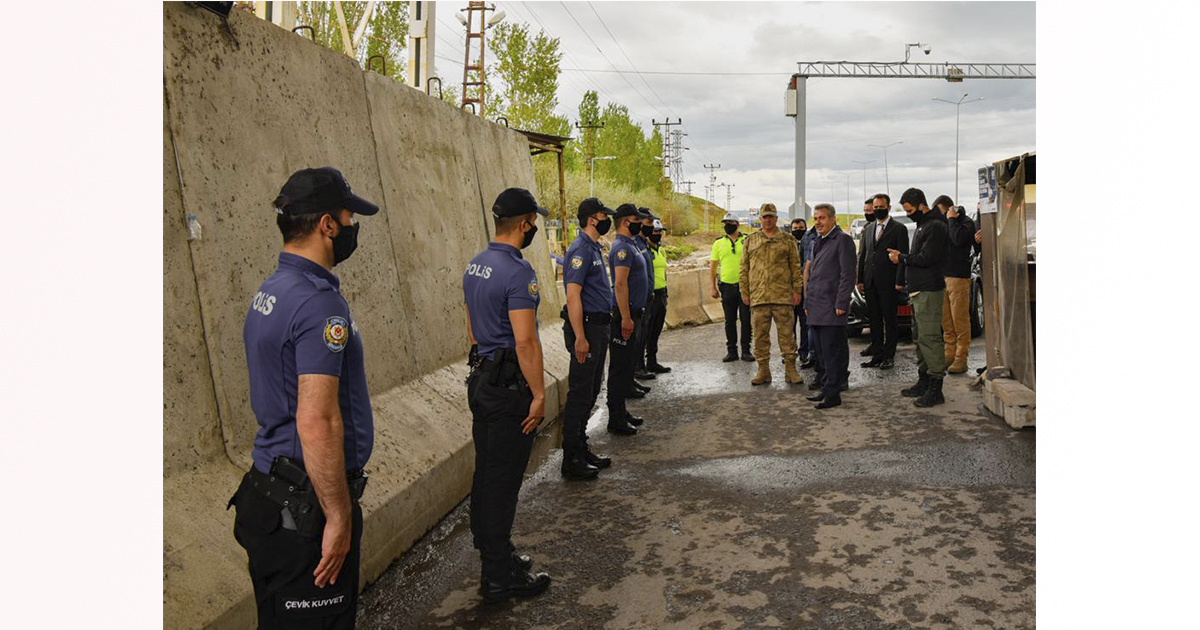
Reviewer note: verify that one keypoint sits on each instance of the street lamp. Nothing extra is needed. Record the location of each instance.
(886, 179)
(592, 173)
(864, 166)
(957, 106)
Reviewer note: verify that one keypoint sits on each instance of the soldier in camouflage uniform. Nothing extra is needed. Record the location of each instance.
(770, 282)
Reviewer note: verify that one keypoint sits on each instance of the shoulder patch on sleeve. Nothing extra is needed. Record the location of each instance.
(621, 254)
(532, 287)
(337, 333)
(576, 262)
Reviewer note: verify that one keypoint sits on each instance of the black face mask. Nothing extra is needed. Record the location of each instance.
(647, 230)
(798, 233)
(655, 238)
(881, 214)
(345, 243)
(533, 228)
(730, 229)
(602, 227)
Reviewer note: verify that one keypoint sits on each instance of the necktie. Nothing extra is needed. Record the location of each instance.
(878, 231)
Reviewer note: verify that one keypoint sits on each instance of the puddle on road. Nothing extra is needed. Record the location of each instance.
(1006, 462)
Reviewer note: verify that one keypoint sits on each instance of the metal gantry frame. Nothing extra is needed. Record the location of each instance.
(794, 104)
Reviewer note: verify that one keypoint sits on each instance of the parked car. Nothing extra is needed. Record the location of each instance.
(859, 323)
(856, 228)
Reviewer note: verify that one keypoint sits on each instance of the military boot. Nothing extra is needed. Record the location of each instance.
(764, 374)
(958, 366)
(919, 388)
(790, 373)
(933, 393)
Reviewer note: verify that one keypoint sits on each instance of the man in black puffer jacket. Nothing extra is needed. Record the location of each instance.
(924, 265)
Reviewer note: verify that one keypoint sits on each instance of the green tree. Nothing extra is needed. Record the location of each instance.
(526, 71)
(386, 33)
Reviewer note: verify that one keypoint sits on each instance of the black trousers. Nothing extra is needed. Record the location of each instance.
(800, 330)
(584, 381)
(501, 455)
(654, 326)
(731, 303)
(282, 564)
(833, 358)
(621, 362)
(639, 349)
(881, 313)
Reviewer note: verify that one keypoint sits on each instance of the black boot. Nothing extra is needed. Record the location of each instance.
(620, 427)
(523, 562)
(643, 375)
(596, 460)
(730, 356)
(520, 583)
(654, 366)
(576, 467)
(933, 394)
(868, 351)
(633, 420)
(919, 388)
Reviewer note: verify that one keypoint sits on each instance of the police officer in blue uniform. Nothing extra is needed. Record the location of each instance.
(587, 317)
(643, 241)
(505, 391)
(628, 273)
(298, 516)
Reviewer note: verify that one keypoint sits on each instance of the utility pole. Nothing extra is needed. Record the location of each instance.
(728, 195)
(688, 184)
(885, 163)
(712, 185)
(590, 135)
(864, 167)
(957, 106)
(472, 8)
(666, 158)
(421, 31)
(677, 150)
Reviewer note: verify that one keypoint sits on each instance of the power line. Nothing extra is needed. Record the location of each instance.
(566, 54)
(589, 37)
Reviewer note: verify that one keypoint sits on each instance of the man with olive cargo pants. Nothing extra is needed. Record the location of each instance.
(770, 283)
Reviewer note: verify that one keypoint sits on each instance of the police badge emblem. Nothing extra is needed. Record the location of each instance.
(533, 288)
(337, 333)
(576, 262)
(621, 255)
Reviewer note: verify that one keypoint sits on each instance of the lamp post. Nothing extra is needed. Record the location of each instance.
(592, 173)
(957, 106)
(864, 167)
(885, 163)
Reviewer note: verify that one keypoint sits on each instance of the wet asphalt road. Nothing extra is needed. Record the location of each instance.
(743, 507)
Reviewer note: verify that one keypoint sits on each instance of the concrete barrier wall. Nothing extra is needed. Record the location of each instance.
(686, 293)
(243, 113)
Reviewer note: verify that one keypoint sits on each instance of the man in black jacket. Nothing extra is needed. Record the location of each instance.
(956, 305)
(924, 265)
(880, 279)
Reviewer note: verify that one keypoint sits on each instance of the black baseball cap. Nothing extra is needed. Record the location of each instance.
(322, 190)
(626, 210)
(646, 213)
(516, 202)
(591, 206)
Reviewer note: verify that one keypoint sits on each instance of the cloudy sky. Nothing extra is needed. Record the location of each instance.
(738, 120)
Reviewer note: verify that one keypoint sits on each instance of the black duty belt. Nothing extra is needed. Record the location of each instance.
(597, 318)
(503, 369)
(660, 292)
(287, 481)
(728, 284)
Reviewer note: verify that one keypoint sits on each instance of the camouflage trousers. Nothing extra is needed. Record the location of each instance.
(761, 317)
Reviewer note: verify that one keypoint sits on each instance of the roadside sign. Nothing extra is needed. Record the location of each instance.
(987, 190)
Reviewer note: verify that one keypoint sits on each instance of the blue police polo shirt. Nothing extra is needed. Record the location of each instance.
(649, 256)
(299, 324)
(625, 253)
(585, 267)
(497, 281)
